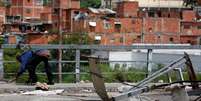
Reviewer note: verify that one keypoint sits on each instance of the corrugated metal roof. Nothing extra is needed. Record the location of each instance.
(102, 10)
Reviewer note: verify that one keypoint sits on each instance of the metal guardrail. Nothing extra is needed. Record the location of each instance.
(77, 60)
(105, 47)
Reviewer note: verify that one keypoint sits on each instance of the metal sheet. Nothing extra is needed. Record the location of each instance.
(97, 79)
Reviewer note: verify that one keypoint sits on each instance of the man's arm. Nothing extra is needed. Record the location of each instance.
(21, 70)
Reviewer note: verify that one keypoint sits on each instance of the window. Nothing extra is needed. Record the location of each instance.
(56, 11)
(39, 2)
(199, 41)
(168, 15)
(112, 40)
(117, 27)
(121, 40)
(198, 27)
(117, 66)
(92, 29)
(28, 10)
(151, 14)
(186, 26)
(150, 29)
(159, 14)
(106, 25)
(139, 37)
(76, 12)
(171, 40)
(124, 65)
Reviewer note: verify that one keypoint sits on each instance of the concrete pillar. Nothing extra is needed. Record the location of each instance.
(1, 65)
(77, 66)
(149, 61)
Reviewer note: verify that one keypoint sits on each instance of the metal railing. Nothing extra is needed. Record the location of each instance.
(77, 48)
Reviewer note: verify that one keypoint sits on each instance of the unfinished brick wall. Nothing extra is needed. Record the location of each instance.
(40, 38)
(163, 25)
(127, 9)
(66, 4)
(11, 39)
(131, 25)
(191, 28)
(2, 18)
(117, 38)
(189, 39)
(163, 38)
(171, 25)
(188, 15)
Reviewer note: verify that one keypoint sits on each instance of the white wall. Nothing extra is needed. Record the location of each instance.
(157, 3)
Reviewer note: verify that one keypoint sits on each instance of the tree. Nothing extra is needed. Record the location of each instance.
(191, 3)
(90, 3)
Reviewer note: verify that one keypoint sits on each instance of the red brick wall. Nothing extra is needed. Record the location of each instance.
(188, 15)
(27, 8)
(127, 9)
(40, 39)
(131, 25)
(192, 28)
(17, 2)
(100, 26)
(75, 3)
(189, 39)
(117, 38)
(46, 17)
(12, 39)
(163, 38)
(171, 25)
(164, 25)
(28, 2)
(15, 11)
(2, 18)
(66, 4)
(128, 25)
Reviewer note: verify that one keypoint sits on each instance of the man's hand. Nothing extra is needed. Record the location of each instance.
(12, 80)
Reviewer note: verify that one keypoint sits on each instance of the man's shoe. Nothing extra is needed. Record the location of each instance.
(50, 83)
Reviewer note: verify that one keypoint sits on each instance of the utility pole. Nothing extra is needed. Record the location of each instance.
(60, 43)
(142, 35)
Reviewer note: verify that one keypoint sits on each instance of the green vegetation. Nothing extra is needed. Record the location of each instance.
(90, 3)
(1, 39)
(116, 74)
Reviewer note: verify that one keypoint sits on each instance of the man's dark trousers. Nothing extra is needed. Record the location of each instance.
(32, 64)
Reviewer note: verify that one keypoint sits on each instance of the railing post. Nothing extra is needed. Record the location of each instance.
(149, 61)
(77, 65)
(60, 66)
(1, 65)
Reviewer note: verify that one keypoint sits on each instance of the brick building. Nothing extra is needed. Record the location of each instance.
(132, 21)
(136, 22)
(34, 18)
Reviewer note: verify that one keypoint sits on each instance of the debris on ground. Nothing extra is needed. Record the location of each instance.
(124, 88)
(42, 86)
(44, 93)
